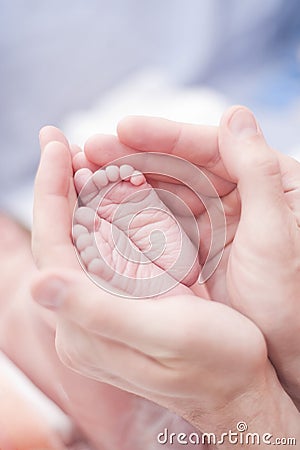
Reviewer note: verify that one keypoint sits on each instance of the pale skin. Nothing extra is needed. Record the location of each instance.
(244, 169)
(31, 427)
(168, 367)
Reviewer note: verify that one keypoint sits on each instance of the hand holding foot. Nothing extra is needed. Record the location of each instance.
(259, 270)
(54, 204)
(169, 364)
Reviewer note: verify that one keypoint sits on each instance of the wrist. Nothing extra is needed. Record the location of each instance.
(288, 370)
(264, 410)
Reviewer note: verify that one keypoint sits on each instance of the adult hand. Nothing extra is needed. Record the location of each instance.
(110, 417)
(153, 348)
(198, 358)
(259, 270)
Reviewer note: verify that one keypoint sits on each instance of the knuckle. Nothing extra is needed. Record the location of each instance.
(269, 166)
(266, 164)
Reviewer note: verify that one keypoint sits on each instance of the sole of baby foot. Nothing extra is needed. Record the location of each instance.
(122, 228)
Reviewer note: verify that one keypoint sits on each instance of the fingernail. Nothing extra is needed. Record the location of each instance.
(243, 124)
(51, 293)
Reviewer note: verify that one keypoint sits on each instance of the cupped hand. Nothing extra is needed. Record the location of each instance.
(192, 356)
(260, 191)
(196, 357)
(110, 417)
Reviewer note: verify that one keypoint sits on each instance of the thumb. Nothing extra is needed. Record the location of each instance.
(253, 165)
(74, 297)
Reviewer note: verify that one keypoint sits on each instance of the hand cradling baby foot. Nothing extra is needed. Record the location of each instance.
(223, 338)
(125, 235)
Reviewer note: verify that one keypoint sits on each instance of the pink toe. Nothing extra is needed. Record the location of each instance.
(126, 171)
(87, 217)
(78, 230)
(113, 173)
(89, 254)
(84, 241)
(137, 178)
(100, 178)
(83, 178)
(96, 266)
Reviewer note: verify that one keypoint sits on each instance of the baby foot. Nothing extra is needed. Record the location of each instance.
(126, 235)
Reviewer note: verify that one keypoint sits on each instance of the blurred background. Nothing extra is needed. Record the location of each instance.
(83, 64)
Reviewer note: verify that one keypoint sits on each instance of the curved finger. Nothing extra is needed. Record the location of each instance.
(196, 143)
(50, 133)
(256, 169)
(52, 218)
(103, 149)
(104, 314)
(141, 324)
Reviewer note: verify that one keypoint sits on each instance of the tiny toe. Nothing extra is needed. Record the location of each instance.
(87, 217)
(78, 230)
(113, 173)
(137, 178)
(126, 171)
(83, 241)
(96, 266)
(83, 179)
(89, 254)
(100, 178)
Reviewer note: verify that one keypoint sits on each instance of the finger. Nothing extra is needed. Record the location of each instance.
(103, 149)
(254, 166)
(104, 314)
(49, 134)
(52, 219)
(52, 134)
(290, 170)
(139, 324)
(196, 143)
(168, 329)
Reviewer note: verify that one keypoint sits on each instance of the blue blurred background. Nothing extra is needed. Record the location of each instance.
(64, 56)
